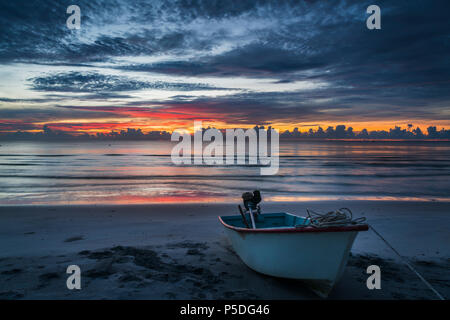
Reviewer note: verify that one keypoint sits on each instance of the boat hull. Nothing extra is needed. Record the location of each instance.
(319, 258)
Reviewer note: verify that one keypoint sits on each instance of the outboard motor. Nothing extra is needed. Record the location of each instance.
(257, 199)
(251, 201)
(247, 197)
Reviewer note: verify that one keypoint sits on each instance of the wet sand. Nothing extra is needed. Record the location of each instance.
(180, 252)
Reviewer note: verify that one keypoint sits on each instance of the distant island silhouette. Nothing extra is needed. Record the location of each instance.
(339, 132)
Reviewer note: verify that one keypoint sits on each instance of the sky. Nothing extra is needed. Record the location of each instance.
(160, 65)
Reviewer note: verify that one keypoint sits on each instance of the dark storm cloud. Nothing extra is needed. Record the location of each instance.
(98, 96)
(250, 60)
(304, 35)
(95, 82)
(410, 50)
(268, 107)
(400, 71)
(30, 114)
(37, 100)
(404, 64)
(36, 30)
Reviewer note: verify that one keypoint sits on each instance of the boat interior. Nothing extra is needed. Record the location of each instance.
(267, 220)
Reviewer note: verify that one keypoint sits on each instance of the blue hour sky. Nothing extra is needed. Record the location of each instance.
(161, 64)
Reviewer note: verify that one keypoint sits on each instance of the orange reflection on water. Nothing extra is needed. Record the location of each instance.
(132, 199)
(137, 200)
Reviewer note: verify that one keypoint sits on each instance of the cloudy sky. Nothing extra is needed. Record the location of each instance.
(233, 63)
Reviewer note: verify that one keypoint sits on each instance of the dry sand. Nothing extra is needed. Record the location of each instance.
(180, 252)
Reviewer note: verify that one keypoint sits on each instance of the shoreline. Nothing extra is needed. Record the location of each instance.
(179, 251)
(237, 201)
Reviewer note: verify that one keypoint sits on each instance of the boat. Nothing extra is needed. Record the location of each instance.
(289, 246)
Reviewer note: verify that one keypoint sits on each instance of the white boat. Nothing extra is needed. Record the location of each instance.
(288, 246)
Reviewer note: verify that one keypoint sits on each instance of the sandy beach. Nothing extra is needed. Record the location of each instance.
(170, 251)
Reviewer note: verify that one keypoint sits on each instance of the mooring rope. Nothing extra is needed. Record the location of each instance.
(343, 217)
(408, 264)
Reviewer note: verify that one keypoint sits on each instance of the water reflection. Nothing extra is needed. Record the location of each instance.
(142, 172)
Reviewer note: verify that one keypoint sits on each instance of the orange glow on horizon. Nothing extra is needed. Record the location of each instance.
(164, 122)
(147, 125)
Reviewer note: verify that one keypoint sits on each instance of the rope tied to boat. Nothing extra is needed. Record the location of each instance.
(405, 261)
(337, 218)
(343, 217)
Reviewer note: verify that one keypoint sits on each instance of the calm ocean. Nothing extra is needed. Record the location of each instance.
(142, 172)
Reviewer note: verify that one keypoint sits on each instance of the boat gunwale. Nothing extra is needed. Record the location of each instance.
(359, 227)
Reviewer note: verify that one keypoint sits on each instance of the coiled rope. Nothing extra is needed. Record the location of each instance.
(337, 218)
